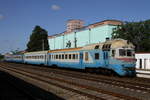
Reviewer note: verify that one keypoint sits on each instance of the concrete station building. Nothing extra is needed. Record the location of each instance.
(143, 64)
(143, 60)
(78, 35)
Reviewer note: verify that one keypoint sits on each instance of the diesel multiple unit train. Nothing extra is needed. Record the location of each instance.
(111, 56)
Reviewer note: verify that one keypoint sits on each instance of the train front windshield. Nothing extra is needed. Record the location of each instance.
(126, 52)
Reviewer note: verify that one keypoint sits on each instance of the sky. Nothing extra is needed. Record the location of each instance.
(19, 17)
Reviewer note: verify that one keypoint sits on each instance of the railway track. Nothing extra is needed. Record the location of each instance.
(45, 78)
(141, 87)
(16, 91)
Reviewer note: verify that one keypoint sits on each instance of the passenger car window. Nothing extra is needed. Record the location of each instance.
(86, 56)
(62, 56)
(69, 56)
(66, 56)
(73, 56)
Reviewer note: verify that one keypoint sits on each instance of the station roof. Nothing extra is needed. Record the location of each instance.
(105, 22)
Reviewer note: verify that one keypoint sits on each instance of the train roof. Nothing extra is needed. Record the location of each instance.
(36, 52)
(116, 43)
(65, 50)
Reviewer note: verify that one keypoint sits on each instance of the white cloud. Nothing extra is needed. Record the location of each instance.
(1, 16)
(55, 7)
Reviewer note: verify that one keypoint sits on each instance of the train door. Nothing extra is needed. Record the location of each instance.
(106, 57)
(106, 51)
(81, 59)
(46, 59)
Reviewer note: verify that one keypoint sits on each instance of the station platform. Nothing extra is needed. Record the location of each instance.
(143, 73)
(12, 88)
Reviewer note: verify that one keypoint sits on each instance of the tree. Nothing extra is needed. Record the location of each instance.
(1, 56)
(136, 32)
(38, 40)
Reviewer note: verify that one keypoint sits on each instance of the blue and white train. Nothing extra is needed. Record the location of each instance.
(111, 56)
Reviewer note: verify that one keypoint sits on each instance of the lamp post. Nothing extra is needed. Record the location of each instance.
(89, 35)
(75, 40)
(63, 41)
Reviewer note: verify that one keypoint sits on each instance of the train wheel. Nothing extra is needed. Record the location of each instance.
(54, 66)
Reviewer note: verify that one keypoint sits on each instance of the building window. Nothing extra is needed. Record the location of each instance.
(96, 56)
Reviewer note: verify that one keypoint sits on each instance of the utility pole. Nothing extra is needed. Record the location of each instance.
(89, 35)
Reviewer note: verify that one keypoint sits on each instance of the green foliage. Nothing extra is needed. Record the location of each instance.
(38, 40)
(1, 56)
(136, 32)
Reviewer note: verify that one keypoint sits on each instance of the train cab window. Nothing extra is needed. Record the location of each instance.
(96, 56)
(86, 56)
(129, 53)
(74, 56)
(69, 56)
(66, 56)
(122, 52)
(113, 53)
(62, 56)
(125, 52)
